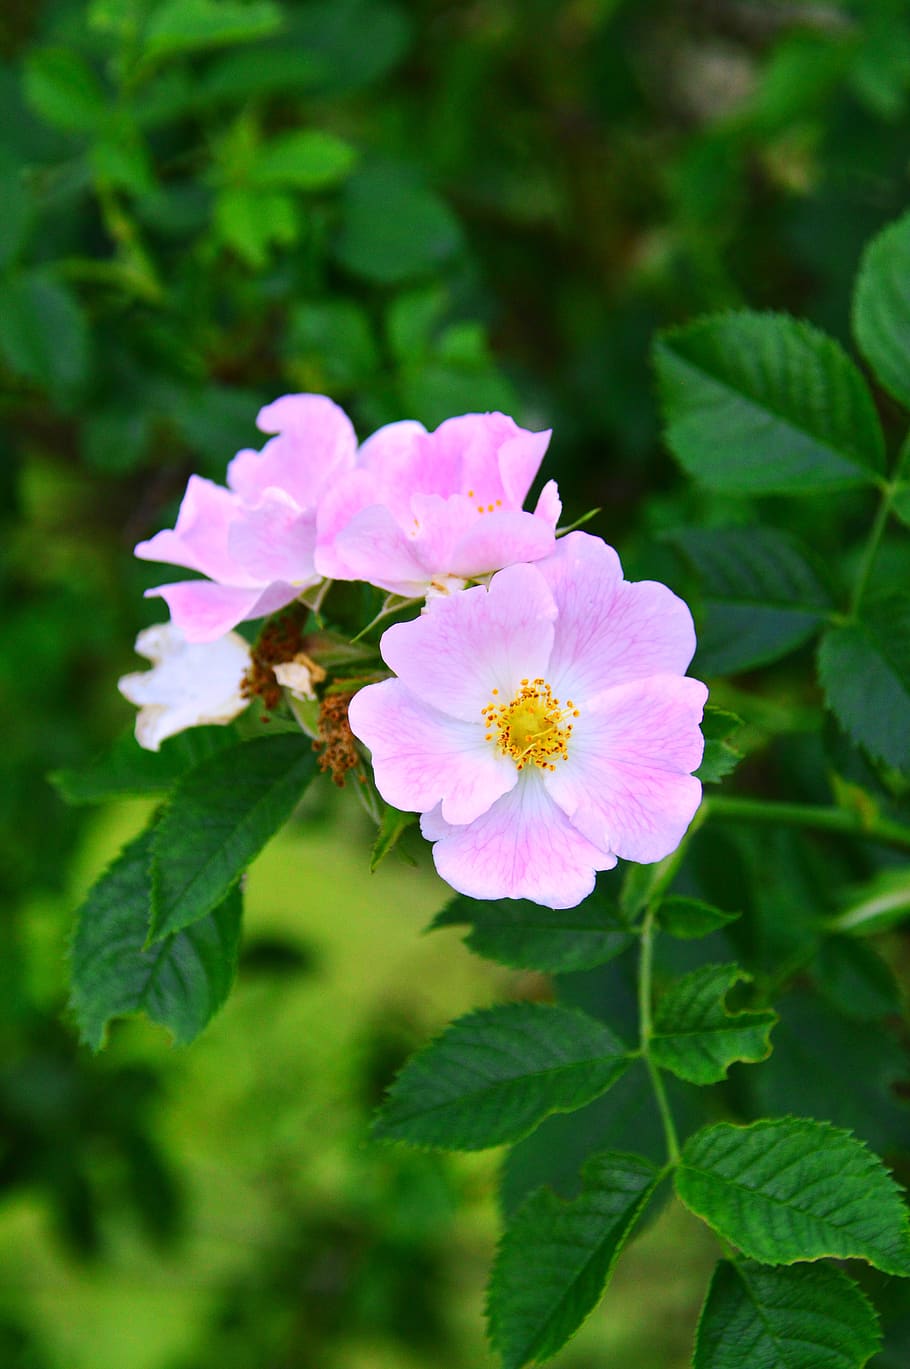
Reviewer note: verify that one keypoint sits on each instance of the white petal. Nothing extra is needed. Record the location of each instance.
(190, 684)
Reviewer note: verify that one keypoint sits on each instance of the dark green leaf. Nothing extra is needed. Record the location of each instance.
(14, 221)
(696, 1037)
(555, 1258)
(881, 308)
(762, 598)
(126, 770)
(63, 90)
(853, 976)
(43, 333)
(808, 1317)
(181, 982)
(527, 936)
(721, 755)
(793, 1190)
(689, 918)
(494, 1075)
(764, 404)
(393, 229)
(864, 669)
(221, 815)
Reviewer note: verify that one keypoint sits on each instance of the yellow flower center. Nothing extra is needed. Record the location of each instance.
(533, 728)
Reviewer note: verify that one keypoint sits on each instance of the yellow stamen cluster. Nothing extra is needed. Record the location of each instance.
(533, 728)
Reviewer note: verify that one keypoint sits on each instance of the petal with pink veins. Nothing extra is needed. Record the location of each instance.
(466, 645)
(523, 847)
(373, 548)
(316, 440)
(610, 630)
(422, 757)
(275, 541)
(626, 783)
(204, 610)
(199, 540)
(506, 537)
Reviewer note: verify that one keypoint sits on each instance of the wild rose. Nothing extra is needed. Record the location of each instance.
(427, 511)
(190, 683)
(256, 539)
(542, 726)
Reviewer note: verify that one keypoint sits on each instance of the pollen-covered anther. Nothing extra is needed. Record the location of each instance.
(533, 728)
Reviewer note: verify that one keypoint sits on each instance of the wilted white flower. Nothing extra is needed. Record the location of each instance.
(190, 683)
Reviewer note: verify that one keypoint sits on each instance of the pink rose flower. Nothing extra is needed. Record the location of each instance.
(433, 510)
(543, 726)
(256, 539)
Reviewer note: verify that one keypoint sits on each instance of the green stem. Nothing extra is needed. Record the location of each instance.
(645, 971)
(814, 816)
(870, 550)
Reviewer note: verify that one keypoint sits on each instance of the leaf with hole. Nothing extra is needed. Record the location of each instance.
(697, 1037)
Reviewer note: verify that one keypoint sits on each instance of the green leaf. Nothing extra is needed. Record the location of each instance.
(853, 976)
(697, 1038)
(493, 1075)
(43, 332)
(181, 26)
(330, 346)
(527, 936)
(555, 1258)
(793, 1190)
(126, 770)
(16, 217)
(764, 404)
(307, 160)
(864, 668)
(249, 221)
(64, 91)
(809, 1317)
(881, 308)
(689, 918)
(762, 598)
(393, 229)
(221, 815)
(882, 903)
(721, 756)
(181, 982)
(393, 826)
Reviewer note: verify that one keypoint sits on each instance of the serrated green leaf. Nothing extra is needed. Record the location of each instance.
(696, 1037)
(127, 771)
(527, 936)
(221, 815)
(795, 1189)
(43, 332)
(393, 826)
(555, 1258)
(807, 1317)
(762, 598)
(881, 308)
(181, 26)
(721, 756)
(765, 404)
(690, 918)
(180, 983)
(864, 668)
(309, 159)
(63, 90)
(493, 1075)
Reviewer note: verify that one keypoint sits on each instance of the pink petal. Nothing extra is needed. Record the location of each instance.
(316, 440)
(373, 548)
(609, 630)
(199, 540)
(626, 784)
(520, 456)
(399, 461)
(464, 646)
(275, 541)
(203, 610)
(523, 847)
(342, 500)
(549, 505)
(502, 538)
(422, 757)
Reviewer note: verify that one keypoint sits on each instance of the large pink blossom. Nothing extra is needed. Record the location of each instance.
(433, 510)
(543, 726)
(255, 540)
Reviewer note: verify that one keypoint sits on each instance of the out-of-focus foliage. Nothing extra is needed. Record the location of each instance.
(420, 209)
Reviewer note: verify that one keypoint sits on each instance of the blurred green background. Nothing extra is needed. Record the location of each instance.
(421, 209)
